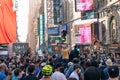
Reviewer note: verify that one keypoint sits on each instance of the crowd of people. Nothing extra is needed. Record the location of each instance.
(77, 66)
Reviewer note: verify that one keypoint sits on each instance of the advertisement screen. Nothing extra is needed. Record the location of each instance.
(83, 34)
(84, 5)
(7, 22)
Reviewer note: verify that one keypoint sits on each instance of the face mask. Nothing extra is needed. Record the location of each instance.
(79, 71)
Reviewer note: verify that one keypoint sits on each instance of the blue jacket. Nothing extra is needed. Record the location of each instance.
(14, 78)
(2, 76)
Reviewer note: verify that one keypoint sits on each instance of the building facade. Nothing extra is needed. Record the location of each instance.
(34, 7)
(109, 22)
(53, 18)
(76, 20)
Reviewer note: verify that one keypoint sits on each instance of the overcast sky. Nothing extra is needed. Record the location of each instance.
(23, 9)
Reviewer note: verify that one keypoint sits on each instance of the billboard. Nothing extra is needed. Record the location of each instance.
(83, 34)
(15, 48)
(83, 5)
(7, 22)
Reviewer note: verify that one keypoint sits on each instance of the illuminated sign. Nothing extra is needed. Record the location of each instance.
(84, 5)
(85, 35)
(41, 30)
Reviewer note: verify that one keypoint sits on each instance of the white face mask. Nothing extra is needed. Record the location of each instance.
(79, 71)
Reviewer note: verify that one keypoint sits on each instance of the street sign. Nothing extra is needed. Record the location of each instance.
(56, 38)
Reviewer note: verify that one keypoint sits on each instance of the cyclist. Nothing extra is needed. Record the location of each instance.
(47, 71)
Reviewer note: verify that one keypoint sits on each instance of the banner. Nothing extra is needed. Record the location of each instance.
(84, 5)
(7, 22)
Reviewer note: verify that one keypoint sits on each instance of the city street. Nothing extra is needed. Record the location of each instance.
(59, 39)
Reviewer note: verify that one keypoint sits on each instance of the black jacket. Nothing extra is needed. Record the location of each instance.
(74, 54)
(30, 77)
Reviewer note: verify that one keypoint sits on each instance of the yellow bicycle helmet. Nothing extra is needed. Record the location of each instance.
(47, 70)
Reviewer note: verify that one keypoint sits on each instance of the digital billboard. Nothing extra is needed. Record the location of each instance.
(83, 34)
(83, 5)
(7, 22)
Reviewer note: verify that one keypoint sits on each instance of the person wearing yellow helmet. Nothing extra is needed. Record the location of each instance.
(47, 71)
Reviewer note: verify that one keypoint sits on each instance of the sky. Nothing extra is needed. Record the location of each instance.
(22, 19)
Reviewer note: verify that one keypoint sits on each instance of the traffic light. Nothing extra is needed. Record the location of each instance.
(63, 36)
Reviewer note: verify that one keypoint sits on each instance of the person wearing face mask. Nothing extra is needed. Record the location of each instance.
(76, 72)
(58, 75)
